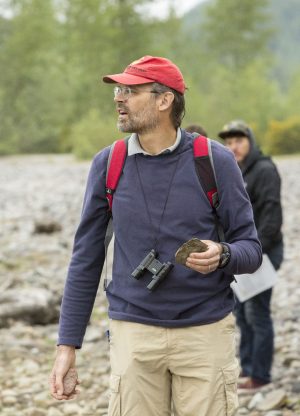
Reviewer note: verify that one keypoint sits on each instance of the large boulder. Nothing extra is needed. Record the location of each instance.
(32, 305)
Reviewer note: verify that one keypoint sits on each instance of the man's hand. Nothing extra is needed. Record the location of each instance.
(65, 359)
(207, 261)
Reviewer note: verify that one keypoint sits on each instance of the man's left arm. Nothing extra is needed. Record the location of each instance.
(87, 258)
(236, 215)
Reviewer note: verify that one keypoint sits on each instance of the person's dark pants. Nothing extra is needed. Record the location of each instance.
(255, 322)
(257, 336)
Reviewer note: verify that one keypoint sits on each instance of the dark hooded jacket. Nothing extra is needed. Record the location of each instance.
(263, 184)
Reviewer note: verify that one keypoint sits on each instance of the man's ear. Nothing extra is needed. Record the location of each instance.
(165, 100)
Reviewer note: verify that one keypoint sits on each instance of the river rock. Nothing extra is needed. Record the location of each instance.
(273, 400)
(51, 187)
(33, 305)
(46, 226)
(256, 399)
(9, 400)
(296, 387)
(34, 411)
(191, 246)
(52, 411)
(72, 409)
(70, 381)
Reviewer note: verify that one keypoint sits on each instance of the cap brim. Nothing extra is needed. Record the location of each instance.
(126, 79)
(223, 135)
(231, 133)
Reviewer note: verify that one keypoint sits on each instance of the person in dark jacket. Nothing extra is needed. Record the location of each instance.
(196, 128)
(174, 344)
(262, 182)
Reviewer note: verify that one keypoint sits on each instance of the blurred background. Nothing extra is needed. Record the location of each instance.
(240, 59)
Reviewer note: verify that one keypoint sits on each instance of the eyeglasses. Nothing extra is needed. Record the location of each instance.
(127, 92)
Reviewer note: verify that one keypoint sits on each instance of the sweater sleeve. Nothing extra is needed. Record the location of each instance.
(236, 215)
(87, 258)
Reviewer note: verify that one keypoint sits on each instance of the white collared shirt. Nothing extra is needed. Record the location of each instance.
(134, 146)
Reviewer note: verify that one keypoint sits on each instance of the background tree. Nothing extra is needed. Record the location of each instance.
(53, 54)
(233, 75)
(100, 37)
(237, 32)
(32, 81)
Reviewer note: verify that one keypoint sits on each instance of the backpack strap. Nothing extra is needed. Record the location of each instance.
(206, 175)
(115, 163)
(204, 168)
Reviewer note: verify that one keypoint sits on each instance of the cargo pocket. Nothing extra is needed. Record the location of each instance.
(114, 406)
(230, 377)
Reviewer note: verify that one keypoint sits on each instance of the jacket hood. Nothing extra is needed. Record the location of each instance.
(254, 154)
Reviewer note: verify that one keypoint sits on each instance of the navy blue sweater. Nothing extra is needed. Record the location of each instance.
(185, 297)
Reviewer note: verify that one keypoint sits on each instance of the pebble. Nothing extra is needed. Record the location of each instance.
(72, 409)
(274, 413)
(34, 261)
(33, 411)
(273, 400)
(256, 399)
(9, 400)
(70, 381)
(243, 411)
(296, 387)
(52, 411)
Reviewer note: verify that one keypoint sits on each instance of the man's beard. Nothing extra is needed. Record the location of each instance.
(141, 122)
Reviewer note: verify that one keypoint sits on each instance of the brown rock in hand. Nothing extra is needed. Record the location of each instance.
(191, 246)
(70, 381)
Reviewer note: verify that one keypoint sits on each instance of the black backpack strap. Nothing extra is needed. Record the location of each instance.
(206, 175)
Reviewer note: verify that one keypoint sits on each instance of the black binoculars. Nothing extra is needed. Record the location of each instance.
(159, 270)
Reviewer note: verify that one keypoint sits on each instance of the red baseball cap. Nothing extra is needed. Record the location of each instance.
(150, 69)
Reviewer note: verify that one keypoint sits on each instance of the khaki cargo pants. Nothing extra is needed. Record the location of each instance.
(192, 370)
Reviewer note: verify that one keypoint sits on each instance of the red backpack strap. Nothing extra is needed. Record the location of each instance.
(205, 169)
(115, 163)
(206, 175)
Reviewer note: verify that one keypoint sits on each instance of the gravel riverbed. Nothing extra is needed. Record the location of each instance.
(40, 204)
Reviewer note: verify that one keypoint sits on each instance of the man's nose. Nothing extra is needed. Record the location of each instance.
(233, 147)
(119, 98)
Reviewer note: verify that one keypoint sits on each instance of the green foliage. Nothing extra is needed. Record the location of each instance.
(292, 102)
(168, 39)
(223, 97)
(285, 44)
(283, 137)
(237, 31)
(52, 68)
(93, 133)
(100, 37)
(53, 54)
(34, 89)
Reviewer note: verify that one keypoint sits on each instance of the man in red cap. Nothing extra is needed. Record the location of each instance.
(174, 344)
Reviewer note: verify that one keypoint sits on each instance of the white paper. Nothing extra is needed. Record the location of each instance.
(249, 285)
